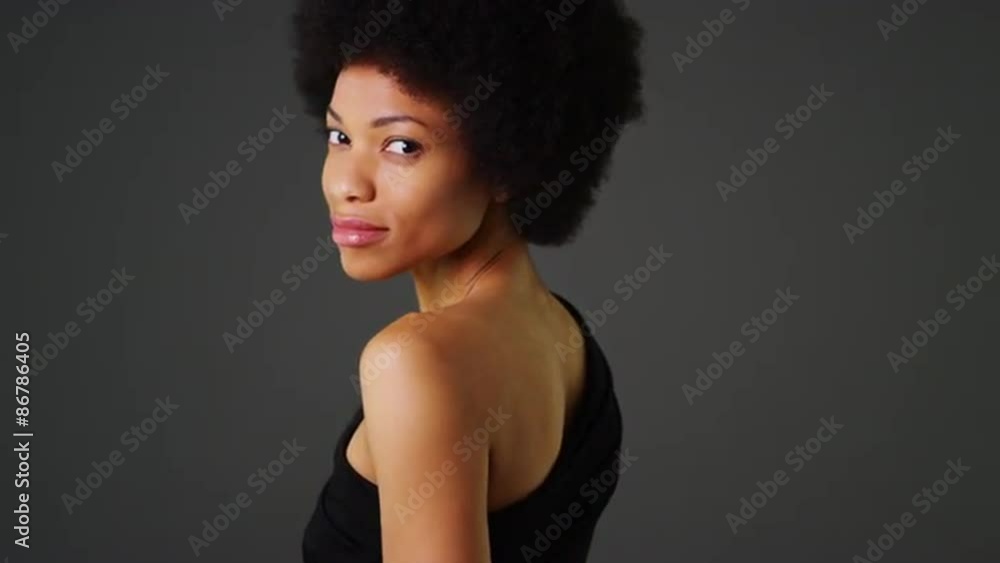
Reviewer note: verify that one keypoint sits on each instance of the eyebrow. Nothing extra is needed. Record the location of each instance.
(381, 121)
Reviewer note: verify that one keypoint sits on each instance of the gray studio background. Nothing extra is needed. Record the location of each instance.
(826, 356)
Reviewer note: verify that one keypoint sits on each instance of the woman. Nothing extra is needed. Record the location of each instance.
(458, 132)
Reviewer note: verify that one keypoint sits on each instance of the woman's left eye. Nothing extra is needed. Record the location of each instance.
(404, 147)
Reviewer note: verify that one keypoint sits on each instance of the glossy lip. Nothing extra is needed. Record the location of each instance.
(353, 223)
(355, 232)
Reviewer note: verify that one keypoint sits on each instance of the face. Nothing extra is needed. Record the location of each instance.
(395, 162)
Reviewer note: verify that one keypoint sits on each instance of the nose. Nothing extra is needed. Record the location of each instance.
(347, 179)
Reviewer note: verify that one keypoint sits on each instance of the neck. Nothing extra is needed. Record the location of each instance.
(494, 260)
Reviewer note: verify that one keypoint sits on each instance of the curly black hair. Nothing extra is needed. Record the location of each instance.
(566, 76)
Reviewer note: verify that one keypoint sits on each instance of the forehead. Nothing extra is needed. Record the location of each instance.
(364, 91)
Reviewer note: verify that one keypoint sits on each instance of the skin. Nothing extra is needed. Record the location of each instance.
(483, 341)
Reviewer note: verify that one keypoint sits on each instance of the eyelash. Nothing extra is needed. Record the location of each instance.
(325, 130)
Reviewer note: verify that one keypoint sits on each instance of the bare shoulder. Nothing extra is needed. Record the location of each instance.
(456, 336)
(441, 351)
(406, 370)
(418, 408)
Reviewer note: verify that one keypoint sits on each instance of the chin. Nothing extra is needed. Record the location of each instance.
(361, 269)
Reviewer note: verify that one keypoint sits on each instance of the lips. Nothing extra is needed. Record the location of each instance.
(354, 231)
(355, 224)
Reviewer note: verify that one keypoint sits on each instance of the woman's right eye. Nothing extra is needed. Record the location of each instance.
(336, 136)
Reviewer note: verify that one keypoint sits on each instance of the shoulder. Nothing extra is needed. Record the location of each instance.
(421, 405)
(428, 345)
(424, 360)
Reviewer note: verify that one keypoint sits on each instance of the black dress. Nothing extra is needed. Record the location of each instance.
(553, 524)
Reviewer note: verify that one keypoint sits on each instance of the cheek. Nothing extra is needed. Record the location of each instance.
(434, 209)
(326, 179)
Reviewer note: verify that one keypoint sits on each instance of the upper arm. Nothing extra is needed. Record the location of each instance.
(432, 477)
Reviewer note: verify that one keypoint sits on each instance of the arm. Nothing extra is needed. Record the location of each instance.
(432, 501)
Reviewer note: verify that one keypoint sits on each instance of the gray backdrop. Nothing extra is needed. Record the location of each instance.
(835, 356)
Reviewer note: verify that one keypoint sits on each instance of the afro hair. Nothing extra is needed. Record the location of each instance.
(567, 76)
